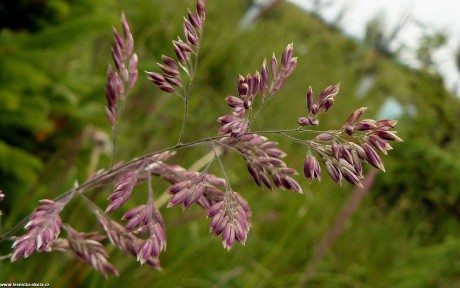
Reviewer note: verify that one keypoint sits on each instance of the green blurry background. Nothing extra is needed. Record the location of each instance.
(53, 61)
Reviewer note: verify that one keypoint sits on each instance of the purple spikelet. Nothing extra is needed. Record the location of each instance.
(91, 251)
(43, 228)
(230, 218)
(124, 77)
(155, 243)
(122, 191)
(124, 240)
(187, 192)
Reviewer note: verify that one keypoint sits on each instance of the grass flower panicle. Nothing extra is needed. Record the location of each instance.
(343, 152)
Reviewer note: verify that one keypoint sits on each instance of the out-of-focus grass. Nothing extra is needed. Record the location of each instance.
(381, 247)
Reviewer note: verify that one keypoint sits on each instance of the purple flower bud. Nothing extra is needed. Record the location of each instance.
(247, 104)
(330, 92)
(274, 66)
(303, 121)
(277, 153)
(156, 78)
(359, 150)
(182, 56)
(287, 55)
(254, 173)
(132, 79)
(234, 102)
(170, 62)
(310, 100)
(241, 80)
(255, 83)
(178, 198)
(201, 9)
(372, 157)
(195, 20)
(290, 68)
(174, 73)
(264, 78)
(350, 176)
(387, 135)
(239, 111)
(240, 128)
(287, 171)
(272, 161)
(226, 119)
(311, 168)
(291, 184)
(261, 141)
(167, 88)
(378, 143)
(334, 172)
(132, 67)
(365, 125)
(228, 236)
(119, 42)
(189, 30)
(265, 180)
(173, 81)
(216, 181)
(336, 150)
(346, 154)
(348, 129)
(355, 116)
(184, 47)
(327, 104)
(386, 124)
(192, 39)
(117, 55)
(243, 90)
(324, 137)
(315, 109)
(128, 36)
(313, 121)
(357, 163)
(179, 186)
(215, 209)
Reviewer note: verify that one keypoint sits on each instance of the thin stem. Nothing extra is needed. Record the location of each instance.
(184, 120)
(216, 155)
(114, 142)
(188, 91)
(264, 102)
(150, 186)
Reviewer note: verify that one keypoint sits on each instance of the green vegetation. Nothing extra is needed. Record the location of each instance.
(404, 234)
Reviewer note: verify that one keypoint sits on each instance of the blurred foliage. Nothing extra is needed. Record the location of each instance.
(381, 37)
(428, 45)
(48, 81)
(52, 73)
